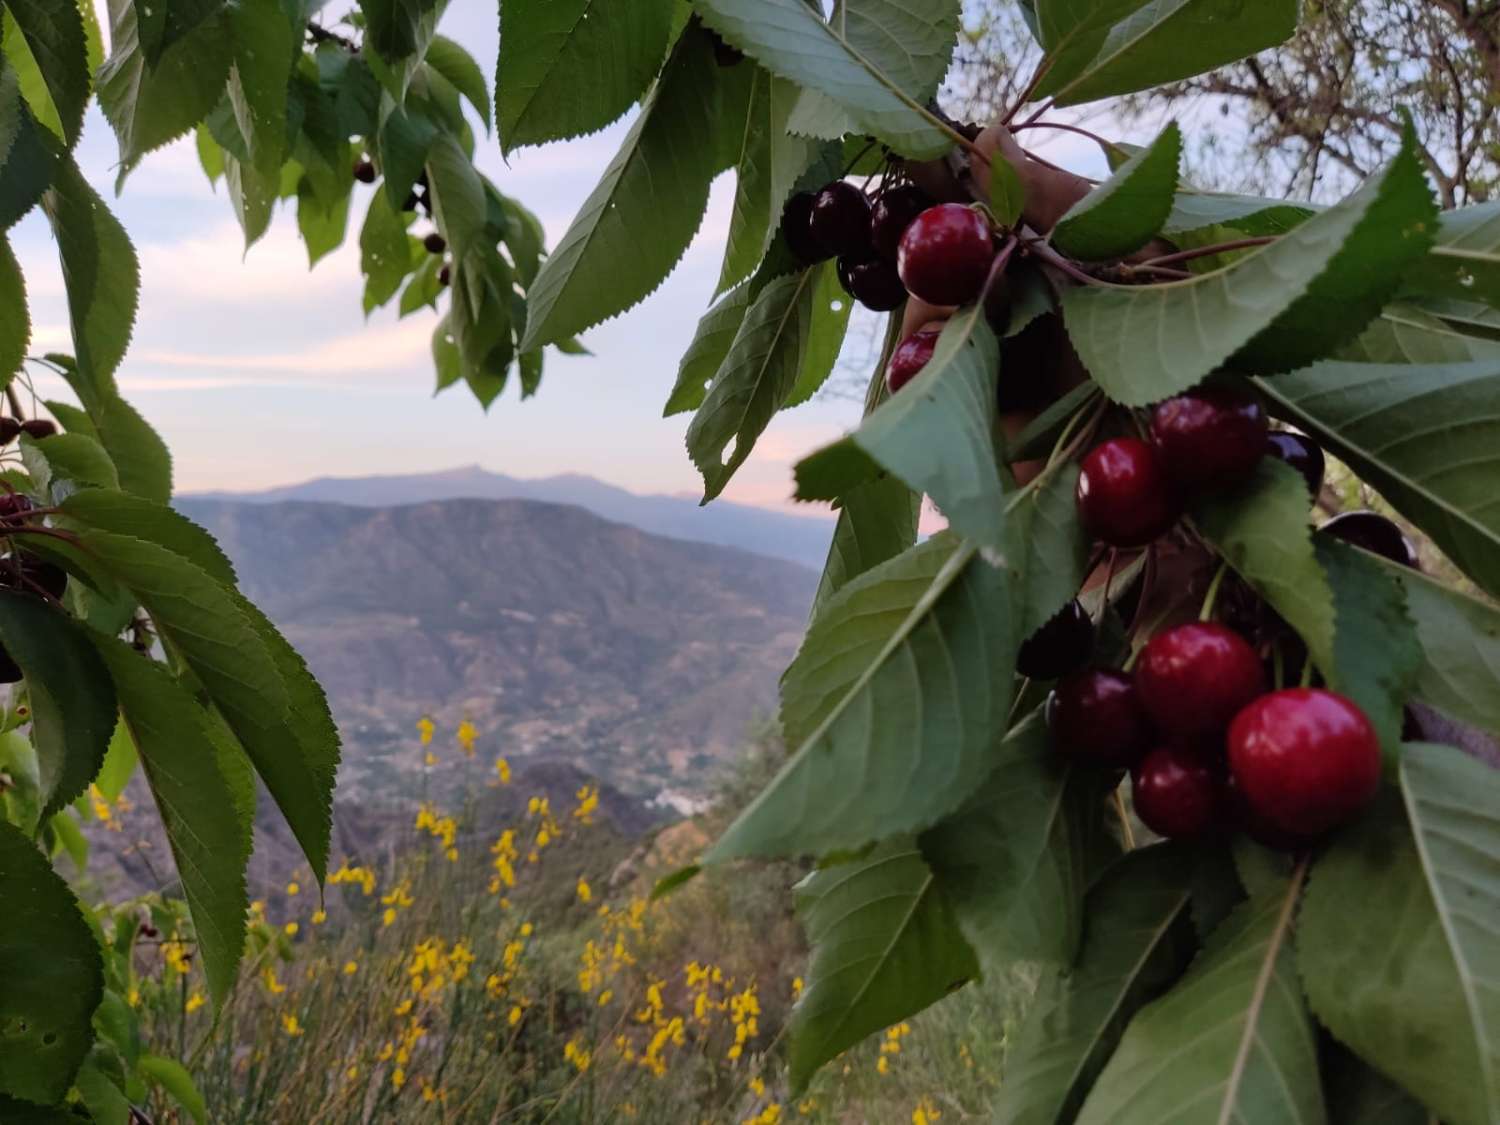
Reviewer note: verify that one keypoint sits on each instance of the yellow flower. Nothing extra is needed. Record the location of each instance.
(588, 804)
(515, 1015)
(291, 1026)
(291, 929)
(577, 1054)
(273, 985)
(758, 1086)
(398, 1078)
(452, 855)
(425, 729)
(883, 1065)
(526, 928)
(584, 892)
(319, 917)
(429, 759)
(389, 916)
(606, 996)
(133, 997)
(403, 1007)
(350, 968)
(502, 770)
(194, 1002)
(771, 1115)
(352, 1073)
(925, 1113)
(293, 889)
(797, 987)
(467, 732)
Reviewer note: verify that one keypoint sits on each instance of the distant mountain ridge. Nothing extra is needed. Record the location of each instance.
(799, 539)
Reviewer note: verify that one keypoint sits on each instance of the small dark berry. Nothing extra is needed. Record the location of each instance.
(410, 202)
(39, 427)
(422, 179)
(10, 429)
(1374, 533)
(1301, 453)
(445, 275)
(364, 171)
(1058, 647)
(874, 284)
(1211, 438)
(796, 228)
(893, 212)
(435, 243)
(840, 221)
(910, 356)
(13, 506)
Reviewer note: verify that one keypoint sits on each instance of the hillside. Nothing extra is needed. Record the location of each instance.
(799, 539)
(642, 660)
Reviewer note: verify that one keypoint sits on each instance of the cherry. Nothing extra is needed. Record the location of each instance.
(435, 243)
(1125, 497)
(13, 506)
(945, 254)
(893, 212)
(1175, 793)
(39, 428)
(1305, 760)
(1062, 644)
(1301, 453)
(364, 171)
(1095, 718)
(874, 284)
(1212, 437)
(910, 356)
(445, 275)
(840, 221)
(10, 429)
(1374, 533)
(796, 228)
(410, 202)
(1194, 678)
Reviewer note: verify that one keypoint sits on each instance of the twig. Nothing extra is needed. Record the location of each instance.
(1205, 251)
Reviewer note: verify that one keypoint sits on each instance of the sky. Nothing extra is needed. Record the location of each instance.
(260, 373)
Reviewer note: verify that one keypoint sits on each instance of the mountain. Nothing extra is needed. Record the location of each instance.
(799, 539)
(643, 660)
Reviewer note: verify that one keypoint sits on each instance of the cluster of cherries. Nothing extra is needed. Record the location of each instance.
(420, 195)
(12, 428)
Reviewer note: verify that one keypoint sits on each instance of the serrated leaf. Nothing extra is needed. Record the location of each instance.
(1464, 263)
(398, 28)
(1426, 436)
(1264, 532)
(879, 59)
(877, 521)
(1127, 210)
(831, 306)
(54, 41)
(423, 290)
(102, 275)
(711, 341)
(406, 135)
(637, 222)
(174, 1078)
(884, 946)
(69, 838)
(459, 203)
(1359, 1095)
(162, 25)
(54, 978)
(141, 458)
(570, 67)
(1460, 638)
(385, 252)
(1408, 334)
(1007, 193)
(458, 66)
(1251, 215)
(1016, 860)
(72, 701)
(1133, 949)
(75, 458)
(28, 152)
(265, 49)
(210, 842)
(15, 318)
(156, 522)
(1231, 1041)
(322, 227)
(1277, 308)
(120, 761)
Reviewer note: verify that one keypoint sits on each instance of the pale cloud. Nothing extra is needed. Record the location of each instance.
(381, 349)
(213, 267)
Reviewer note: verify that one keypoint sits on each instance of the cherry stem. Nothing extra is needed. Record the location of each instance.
(1041, 109)
(1066, 128)
(1044, 64)
(1207, 611)
(1063, 265)
(1206, 251)
(1109, 576)
(857, 157)
(1158, 271)
(1307, 673)
(47, 531)
(15, 402)
(997, 267)
(1278, 666)
(1125, 829)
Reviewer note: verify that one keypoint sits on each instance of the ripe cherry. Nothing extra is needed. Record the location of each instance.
(945, 254)
(1374, 533)
(364, 171)
(10, 429)
(796, 228)
(1175, 793)
(39, 427)
(1305, 760)
(1062, 644)
(874, 284)
(1125, 496)
(1211, 438)
(840, 221)
(910, 356)
(1096, 719)
(1194, 678)
(13, 506)
(1301, 453)
(435, 243)
(445, 275)
(893, 212)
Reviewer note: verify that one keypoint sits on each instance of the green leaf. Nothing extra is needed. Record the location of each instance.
(1358, 1095)
(1405, 977)
(196, 799)
(15, 319)
(1127, 210)
(162, 25)
(322, 227)
(1133, 949)
(1161, 42)
(459, 203)
(54, 42)
(880, 59)
(28, 152)
(406, 135)
(831, 306)
(252, 195)
(570, 67)
(1007, 193)
(1465, 260)
(149, 105)
(265, 48)
(900, 684)
(385, 251)
(1410, 335)
(638, 221)
(140, 456)
(884, 946)
(1264, 532)
(759, 374)
(1427, 437)
(1376, 653)
(1251, 215)
(1460, 638)
(102, 275)
(716, 331)
(174, 1078)
(458, 66)
(424, 288)
(877, 521)
(937, 435)
(156, 522)
(75, 458)
(72, 702)
(1016, 860)
(398, 28)
(54, 978)
(119, 765)
(98, 1084)
(70, 839)
(1277, 308)
(1230, 1042)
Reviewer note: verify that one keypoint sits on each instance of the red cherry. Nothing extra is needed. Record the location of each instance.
(1305, 760)
(1175, 794)
(39, 428)
(1125, 497)
(945, 254)
(13, 506)
(364, 171)
(1210, 438)
(874, 283)
(910, 356)
(1374, 533)
(840, 221)
(10, 429)
(892, 214)
(435, 243)
(1194, 679)
(1096, 719)
(796, 228)
(1301, 453)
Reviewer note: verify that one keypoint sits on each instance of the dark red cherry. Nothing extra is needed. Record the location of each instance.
(1125, 496)
(13, 506)
(893, 212)
(435, 243)
(364, 171)
(445, 275)
(1194, 678)
(910, 356)
(873, 283)
(1304, 760)
(39, 428)
(840, 221)
(945, 254)
(10, 429)
(1374, 533)
(1301, 453)
(796, 228)
(1211, 438)
(1095, 718)
(1064, 643)
(1176, 794)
